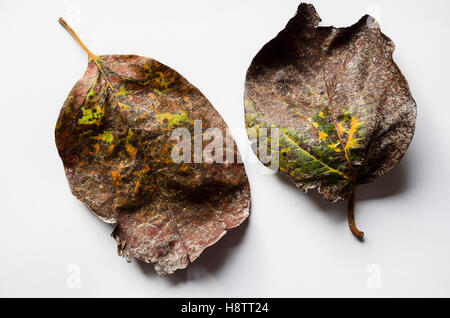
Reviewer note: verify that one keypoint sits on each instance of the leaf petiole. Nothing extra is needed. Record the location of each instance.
(75, 36)
(351, 216)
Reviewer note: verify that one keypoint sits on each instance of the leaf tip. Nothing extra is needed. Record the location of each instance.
(307, 15)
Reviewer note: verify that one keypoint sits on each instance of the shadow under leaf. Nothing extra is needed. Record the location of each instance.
(211, 260)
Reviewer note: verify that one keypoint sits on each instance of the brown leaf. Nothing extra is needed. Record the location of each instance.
(114, 137)
(343, 108)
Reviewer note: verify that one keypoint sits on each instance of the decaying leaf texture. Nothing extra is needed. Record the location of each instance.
(114, 137)
(343, 108)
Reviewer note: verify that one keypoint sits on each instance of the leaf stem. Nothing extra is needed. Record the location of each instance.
(351, 216)
(75, 36)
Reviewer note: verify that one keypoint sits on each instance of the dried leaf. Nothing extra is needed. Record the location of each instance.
(114, 137)
(342, 108)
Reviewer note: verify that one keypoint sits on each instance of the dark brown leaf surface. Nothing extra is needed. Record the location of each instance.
(343, 108)
(114, 137)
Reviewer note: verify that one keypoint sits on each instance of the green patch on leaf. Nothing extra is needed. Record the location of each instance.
(91, 115)
(106, 136)
(173, 119)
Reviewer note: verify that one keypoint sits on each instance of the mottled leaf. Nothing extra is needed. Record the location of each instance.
(343, 108)
(114, 137)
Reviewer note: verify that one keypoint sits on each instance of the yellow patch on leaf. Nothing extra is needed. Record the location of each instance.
(340, 128)
(136, 187)
(322, 135)
(162, 82)
(121, 92)
(115, 176)
(131, 150)
(123, 106)
(352, 141)
(335, 147)
(106, 136)
(173, 119)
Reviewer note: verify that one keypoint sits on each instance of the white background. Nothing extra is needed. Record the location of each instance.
(294, 244)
